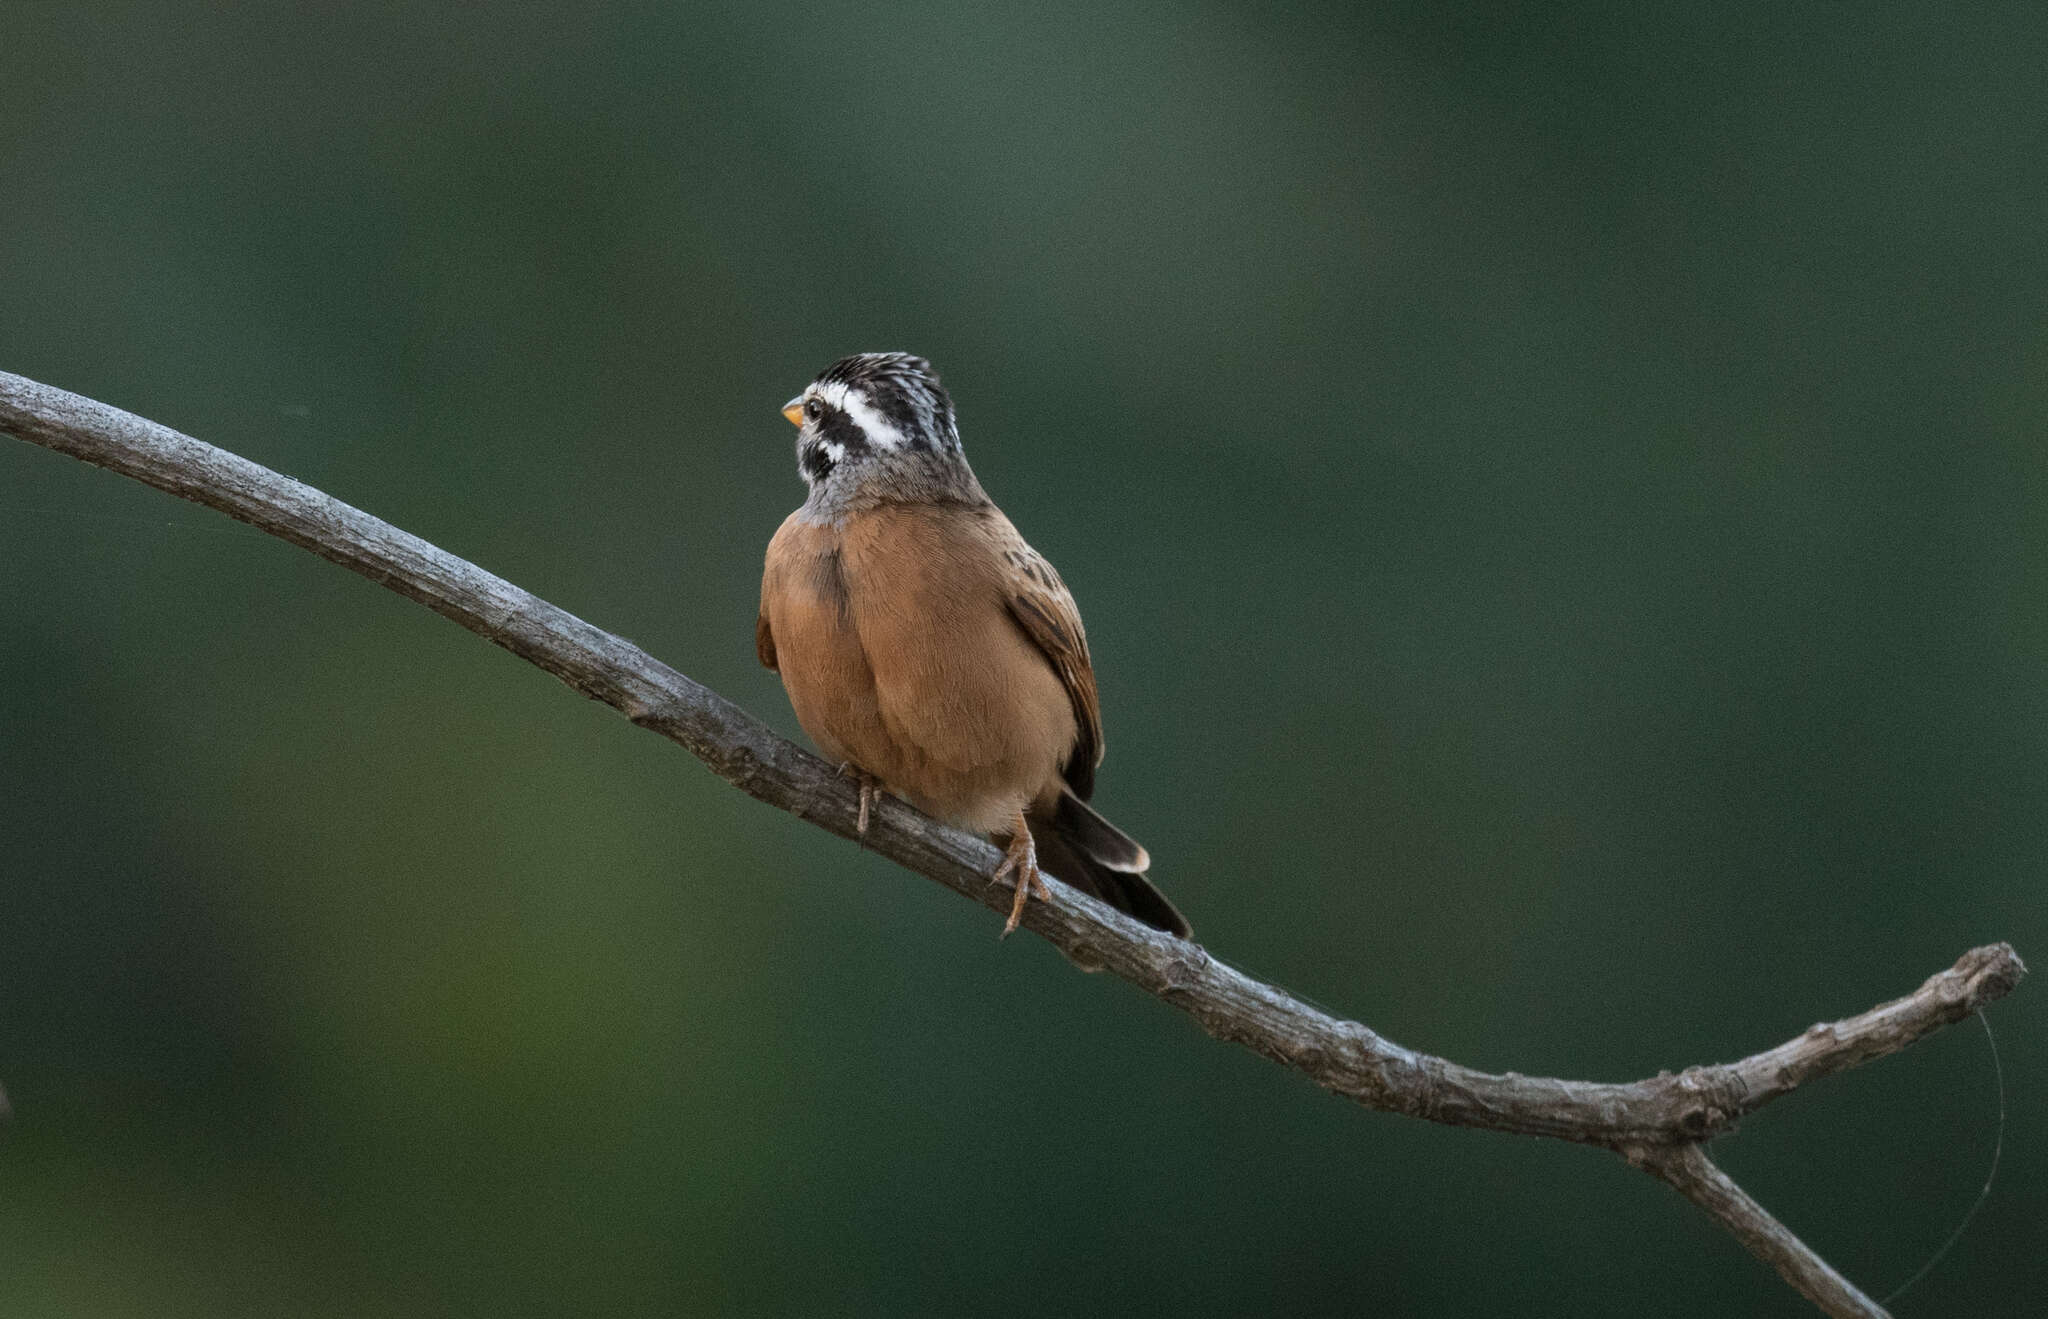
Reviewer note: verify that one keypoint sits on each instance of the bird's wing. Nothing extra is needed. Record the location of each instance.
(764, 634)
(1043, 607)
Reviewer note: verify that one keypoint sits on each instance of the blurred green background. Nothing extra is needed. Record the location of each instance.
(1560, 503)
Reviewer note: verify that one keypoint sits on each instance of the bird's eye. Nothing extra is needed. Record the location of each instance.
(812, 409)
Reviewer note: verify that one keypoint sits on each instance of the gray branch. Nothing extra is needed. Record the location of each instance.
(1658, 1124)
(1693, 1174)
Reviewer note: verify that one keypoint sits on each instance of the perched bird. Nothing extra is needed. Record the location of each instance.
(928, 649)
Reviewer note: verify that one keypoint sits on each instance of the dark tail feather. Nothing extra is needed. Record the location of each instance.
(1064, 855)
(1096, 837)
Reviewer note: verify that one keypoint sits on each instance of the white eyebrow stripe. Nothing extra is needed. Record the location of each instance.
(881, 432)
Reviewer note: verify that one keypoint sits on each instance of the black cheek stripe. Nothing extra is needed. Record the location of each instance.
(817, 464)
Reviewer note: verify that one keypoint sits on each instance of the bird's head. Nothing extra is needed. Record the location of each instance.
(877, 426)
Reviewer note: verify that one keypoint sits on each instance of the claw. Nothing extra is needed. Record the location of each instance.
(1020, 858)
(870, 793)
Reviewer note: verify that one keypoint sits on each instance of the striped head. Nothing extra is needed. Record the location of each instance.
(871, 421)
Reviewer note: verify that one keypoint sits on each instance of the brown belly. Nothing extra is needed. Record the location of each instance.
(900, 658)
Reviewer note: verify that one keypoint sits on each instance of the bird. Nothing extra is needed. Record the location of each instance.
(928, 649)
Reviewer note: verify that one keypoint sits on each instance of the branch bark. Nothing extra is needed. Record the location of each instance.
(1693, 1175)
(1659, 1124)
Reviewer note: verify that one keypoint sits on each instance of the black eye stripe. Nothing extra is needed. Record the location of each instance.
(842, 430)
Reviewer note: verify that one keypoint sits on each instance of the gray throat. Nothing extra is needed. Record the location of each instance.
(900, 478)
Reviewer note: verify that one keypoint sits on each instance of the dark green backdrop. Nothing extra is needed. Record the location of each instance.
(1560, 506)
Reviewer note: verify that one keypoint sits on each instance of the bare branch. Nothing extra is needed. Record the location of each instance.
(1688, 1168)
(1657, 1123)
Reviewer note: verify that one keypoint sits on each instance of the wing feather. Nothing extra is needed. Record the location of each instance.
(1045, 609)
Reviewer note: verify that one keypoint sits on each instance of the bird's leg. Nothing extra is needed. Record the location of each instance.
(1021, 857)
(870, 793)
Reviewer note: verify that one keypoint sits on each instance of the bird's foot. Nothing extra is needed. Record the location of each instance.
(870, 793)
(1020, 858)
